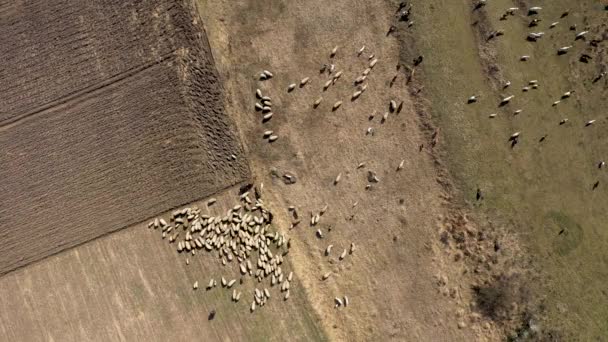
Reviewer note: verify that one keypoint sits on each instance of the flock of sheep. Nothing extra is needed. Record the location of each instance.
(244, 234)
(534, 84)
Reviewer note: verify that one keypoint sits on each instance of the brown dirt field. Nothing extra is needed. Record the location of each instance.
(131, 285)
(112, 149)
(391, 278)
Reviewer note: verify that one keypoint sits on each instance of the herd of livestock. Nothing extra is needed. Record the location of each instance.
(245, 234)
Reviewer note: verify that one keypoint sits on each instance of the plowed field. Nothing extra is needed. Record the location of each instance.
(111, 114)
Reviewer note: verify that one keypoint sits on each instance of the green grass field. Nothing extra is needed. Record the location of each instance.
(538, 188)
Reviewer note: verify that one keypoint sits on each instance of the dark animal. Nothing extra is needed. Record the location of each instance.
(211, 315)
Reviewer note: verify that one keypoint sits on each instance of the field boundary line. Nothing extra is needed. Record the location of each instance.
(7, 123)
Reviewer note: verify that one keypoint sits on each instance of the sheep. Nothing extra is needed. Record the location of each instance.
(333, 52)
(336, 76)
(392, 106)
(556, 103)
(492, 116)
(267, 117)
(336, 106)
(338, 302)
(327, 84)
(601, 164)
(580, 35)
(373, 63)
(589, 123)
(356, 95)
(273, 138)
(534, 22)
(472, 99)
(360, 51)
(343, 255)
(534, 10)
(258, 93)
(345, 301)
(337, 179)
(524, 58)
(517, 112)
(291, 87)
(506, 100)
(304, 81)
(533, 36)
(525, 89)
(317, 102)
(563, 50)
(400, 166)
(553, 24)
(506, 85)
(567, 94)
(563, 121)
(326, 275)
(195, 285)
(515, 136)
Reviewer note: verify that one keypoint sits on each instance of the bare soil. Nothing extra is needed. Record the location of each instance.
(134, 127)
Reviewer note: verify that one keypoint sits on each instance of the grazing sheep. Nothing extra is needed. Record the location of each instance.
(553, 24)
(336, 105)
(360, 51)
(506, 100)
(333, 52)
(563, 121)
(492, 116)
(326, 275)
(317, 102)
(567, 94)
(195, 286)
(291, 87)
(338, 302)
(304, 81)
(563, 50)
(524, 58)
(400, 166)
(472, 99)
(589, 123)
(534, 10)
(514, 136)
(580, 35)
(534, 22)
(337, 179)
(601, 164)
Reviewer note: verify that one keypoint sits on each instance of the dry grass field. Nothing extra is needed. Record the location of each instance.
(117, 113)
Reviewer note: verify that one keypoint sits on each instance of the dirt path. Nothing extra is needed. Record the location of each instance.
(391, 278)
